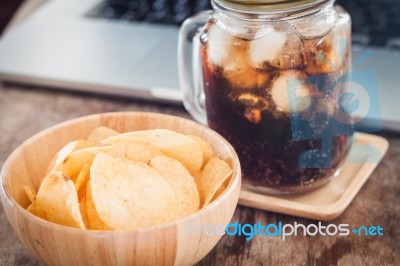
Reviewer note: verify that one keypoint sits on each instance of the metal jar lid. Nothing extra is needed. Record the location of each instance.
(268, 5)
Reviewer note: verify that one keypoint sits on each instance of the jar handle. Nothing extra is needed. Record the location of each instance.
(189, 65)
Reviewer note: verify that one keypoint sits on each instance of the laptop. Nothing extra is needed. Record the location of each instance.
(129, 48)
(84, 45)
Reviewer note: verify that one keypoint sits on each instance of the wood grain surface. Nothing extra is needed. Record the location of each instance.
(26, 111)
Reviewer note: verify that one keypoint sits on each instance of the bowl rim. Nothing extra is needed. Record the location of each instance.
(8, 199)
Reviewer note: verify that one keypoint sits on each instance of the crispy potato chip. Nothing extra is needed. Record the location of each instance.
(32, 208)
(101, 133)
(205, 148)
(219, 192)
(82, 209)
(211, 178)
(130, 180)
(72, 146)
(57, 201)
(172, 144)
(82, 192)
(94, 220)
(134, 151)
(128, 194)
(181, 182)
(30, 192)
(83, 176)
(75, 161)
(221, 189)
(81, 181)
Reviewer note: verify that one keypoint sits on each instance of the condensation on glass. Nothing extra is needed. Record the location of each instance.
(273, 77)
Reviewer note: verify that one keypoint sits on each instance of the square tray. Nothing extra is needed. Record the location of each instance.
(328, 202)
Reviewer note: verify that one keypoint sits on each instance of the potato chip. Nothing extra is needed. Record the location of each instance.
(57, 201)
(181, 182)
(82, 209)
(82, 192)
(172, 144)
(128, 194)
(219, 192)
(30, 192)
(62, 154)
(94, 220)
(134, 151)
(221, 189)
(211, 178)
(130, 180)
(32, 208)
(83, 176)
(81, 181)
(205, 148)
(101, 133)
(75, 161)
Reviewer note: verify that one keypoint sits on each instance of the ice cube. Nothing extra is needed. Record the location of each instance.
(250, 79)
(223, 47)
(300, 101)
(314, 26)
(319, 54)
(342, 33)
(218, 42)
(250, 99)
(254, 105)
(279, 47)
(291, 56)
(236, 63)
(253, 115)
(238, 28)
(330, 52)
(266, 48)
(228, 53)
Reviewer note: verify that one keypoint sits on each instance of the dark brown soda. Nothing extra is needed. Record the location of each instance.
(266, 146)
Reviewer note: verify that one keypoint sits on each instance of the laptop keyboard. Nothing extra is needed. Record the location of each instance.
(155, 11)
(374, 22)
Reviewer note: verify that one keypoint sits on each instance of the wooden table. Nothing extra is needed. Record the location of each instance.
(25, 111)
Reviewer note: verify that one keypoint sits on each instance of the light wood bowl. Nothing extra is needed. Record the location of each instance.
(174, 243)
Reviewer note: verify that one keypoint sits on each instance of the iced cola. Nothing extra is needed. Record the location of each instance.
(274, 92)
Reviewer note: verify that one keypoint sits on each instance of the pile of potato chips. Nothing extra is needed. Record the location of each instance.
(114, 181)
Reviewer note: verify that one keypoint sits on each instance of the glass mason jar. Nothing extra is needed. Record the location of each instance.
(270, 77)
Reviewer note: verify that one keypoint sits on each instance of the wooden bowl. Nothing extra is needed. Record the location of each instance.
(181, 242)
